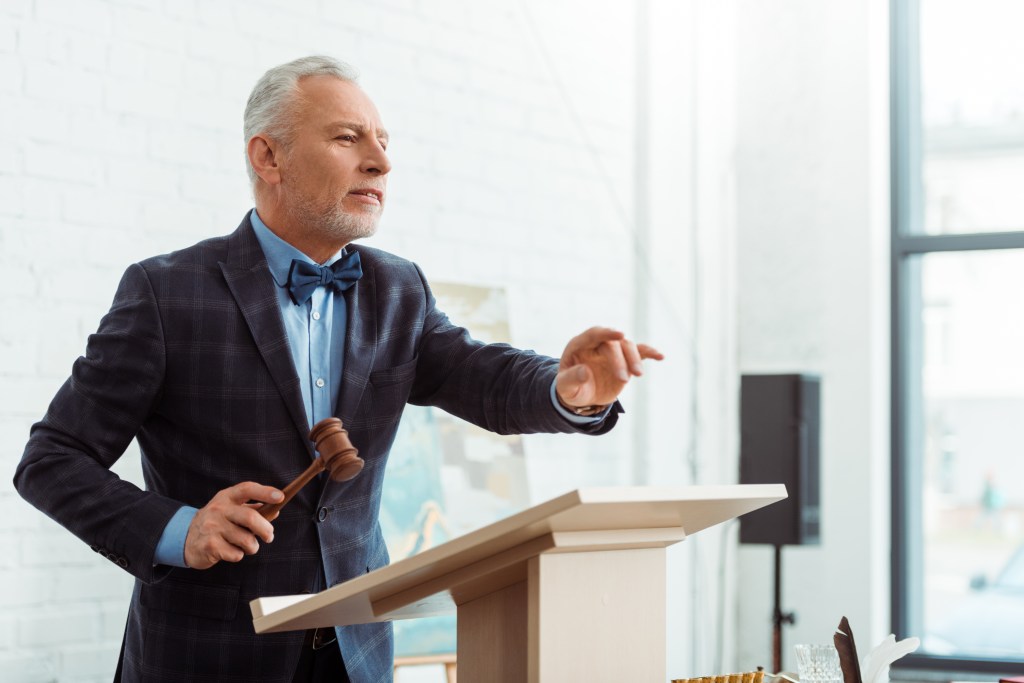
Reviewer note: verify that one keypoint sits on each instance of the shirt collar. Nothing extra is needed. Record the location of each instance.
(279, 253)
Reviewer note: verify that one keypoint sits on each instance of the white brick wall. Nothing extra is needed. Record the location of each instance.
(513, 142)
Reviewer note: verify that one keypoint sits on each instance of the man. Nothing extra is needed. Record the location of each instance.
(220, 357)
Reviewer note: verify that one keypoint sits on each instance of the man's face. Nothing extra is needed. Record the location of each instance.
(334, 171)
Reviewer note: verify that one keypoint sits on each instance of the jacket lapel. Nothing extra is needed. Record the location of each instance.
(360, 342)
(250, 282)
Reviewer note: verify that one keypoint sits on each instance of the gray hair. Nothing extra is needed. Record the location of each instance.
(271, 101)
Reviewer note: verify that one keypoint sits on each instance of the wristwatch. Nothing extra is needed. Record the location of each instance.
(587, 411)
(582, 411)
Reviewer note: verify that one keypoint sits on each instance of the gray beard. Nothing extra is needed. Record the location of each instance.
(335, 223)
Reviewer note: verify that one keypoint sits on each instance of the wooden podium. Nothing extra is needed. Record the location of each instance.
(569, 590)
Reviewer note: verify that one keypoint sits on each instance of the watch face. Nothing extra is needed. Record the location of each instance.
(587, 411)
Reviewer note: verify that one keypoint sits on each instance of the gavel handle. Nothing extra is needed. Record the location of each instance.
(315, 468)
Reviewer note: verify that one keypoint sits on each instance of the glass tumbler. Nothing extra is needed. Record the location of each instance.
(818, 664)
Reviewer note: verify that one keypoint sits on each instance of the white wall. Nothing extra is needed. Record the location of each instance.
(517, 160)
(688, 278)
(813, 293)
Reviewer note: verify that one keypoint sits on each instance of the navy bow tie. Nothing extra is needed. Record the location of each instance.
(304, 277)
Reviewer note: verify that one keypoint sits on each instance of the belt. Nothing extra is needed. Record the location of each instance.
(321, 637)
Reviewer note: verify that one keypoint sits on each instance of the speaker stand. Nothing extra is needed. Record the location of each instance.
(778, 616)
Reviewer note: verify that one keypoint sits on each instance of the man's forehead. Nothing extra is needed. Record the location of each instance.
(331, 100)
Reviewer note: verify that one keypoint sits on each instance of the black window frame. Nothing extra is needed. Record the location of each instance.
(909, 242)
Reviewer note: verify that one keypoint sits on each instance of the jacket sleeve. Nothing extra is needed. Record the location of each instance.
(113, 388)
(494, 386)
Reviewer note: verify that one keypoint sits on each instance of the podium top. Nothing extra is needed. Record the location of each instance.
(584, 519)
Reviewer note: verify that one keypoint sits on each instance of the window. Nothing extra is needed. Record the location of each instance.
(958, 332)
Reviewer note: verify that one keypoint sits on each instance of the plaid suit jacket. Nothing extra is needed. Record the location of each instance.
(193, 360)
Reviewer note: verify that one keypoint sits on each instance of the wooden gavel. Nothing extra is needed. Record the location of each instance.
(337, 455)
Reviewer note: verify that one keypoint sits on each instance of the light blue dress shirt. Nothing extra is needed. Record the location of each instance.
(316, 337)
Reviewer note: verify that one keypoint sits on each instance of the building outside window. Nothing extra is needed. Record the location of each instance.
(958, 324)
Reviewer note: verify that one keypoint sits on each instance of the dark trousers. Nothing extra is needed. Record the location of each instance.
(321, 659)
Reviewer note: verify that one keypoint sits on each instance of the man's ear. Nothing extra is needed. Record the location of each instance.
(263, 153)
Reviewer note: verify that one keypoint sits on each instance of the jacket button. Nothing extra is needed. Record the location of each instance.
(323, 514)
(122, 563)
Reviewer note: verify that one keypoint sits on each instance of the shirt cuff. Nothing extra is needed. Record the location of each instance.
(171, 548)
(573, 417)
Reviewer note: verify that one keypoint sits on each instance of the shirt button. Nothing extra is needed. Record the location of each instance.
(320, 382)
(322, 515)
(316, 315)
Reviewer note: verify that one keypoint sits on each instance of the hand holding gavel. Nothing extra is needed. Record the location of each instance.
(337, 456)
(227, 528)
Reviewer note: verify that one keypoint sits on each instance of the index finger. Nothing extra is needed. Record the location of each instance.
(250, 490)
(649, 352)
(596, 336)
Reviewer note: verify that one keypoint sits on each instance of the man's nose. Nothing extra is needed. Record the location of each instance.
(376, 162)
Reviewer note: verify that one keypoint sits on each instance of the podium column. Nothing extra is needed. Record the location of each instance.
(596, 615)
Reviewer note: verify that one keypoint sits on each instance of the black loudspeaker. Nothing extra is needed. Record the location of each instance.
(780, 418)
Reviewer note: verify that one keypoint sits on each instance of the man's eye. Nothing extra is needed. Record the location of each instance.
(346, 138)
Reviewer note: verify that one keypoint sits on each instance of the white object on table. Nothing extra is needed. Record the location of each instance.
(875, 665)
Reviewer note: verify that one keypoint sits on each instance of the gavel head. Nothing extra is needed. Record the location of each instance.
(340, 458)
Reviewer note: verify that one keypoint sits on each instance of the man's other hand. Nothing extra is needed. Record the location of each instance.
(597, 365)
(228, 527)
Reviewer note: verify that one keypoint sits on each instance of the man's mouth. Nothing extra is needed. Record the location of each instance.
(370, 193)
